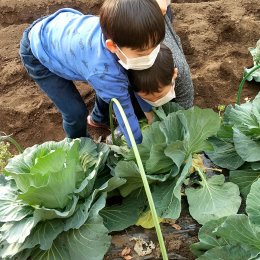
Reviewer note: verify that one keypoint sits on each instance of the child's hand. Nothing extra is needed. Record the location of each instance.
(163, 5)
(149, 116)
(175, 73)
(117, 134)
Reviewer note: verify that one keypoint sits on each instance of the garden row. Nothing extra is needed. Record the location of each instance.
(53, 196)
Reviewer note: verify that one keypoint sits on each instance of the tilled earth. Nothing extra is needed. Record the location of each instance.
(215, 37)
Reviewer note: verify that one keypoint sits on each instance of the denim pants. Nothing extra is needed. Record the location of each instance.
(62, 92)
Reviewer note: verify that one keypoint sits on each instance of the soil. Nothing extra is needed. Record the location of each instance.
(177, 236)
(215, 37)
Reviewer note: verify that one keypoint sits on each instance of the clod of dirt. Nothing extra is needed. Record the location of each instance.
(142, 247)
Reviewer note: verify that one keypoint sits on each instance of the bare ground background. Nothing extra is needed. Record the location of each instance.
(215, 37)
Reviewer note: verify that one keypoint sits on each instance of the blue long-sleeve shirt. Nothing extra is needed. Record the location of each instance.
(72, 46)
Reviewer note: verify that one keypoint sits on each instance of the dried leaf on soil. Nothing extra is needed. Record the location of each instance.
(142, 247)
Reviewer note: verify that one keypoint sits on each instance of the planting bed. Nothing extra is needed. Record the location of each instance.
(215, 37)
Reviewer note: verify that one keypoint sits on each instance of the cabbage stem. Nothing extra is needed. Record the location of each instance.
(11, 140)
(142, 172)
(243, 82)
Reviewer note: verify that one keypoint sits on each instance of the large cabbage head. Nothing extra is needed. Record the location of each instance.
(47, 174)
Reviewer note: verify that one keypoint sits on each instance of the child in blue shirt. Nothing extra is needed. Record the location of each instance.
(68, 45)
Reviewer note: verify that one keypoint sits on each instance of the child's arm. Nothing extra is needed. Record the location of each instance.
(184, 87)
(144, 105)
(108, 86)
(149, 116)
(146, 108)
(132, 119)
(163, 5)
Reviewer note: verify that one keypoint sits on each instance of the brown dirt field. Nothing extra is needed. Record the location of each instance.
(215, 37)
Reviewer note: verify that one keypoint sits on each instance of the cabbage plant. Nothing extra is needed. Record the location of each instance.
(233, 237)
(237, 144)
(50, 199)
(255, 52)
(168, 152)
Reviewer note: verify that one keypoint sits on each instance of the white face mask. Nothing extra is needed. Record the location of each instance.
(140, 63)
(168, 97)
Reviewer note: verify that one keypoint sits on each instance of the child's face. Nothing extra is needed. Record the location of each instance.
(134, 59)
(163, 90)
(153, 97)
(160, 98)
(132, 53)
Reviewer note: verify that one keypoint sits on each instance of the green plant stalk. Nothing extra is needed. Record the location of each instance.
(243, 82)
(12, 141)
(201, 175)
(111, 121)
(142, 172)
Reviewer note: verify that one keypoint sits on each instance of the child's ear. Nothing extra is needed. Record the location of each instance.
(175, 73)
(111, 45)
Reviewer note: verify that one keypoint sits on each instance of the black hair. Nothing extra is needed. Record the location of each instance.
(136, 24)
(157, 76)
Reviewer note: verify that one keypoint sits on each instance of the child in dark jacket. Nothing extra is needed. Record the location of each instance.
(152, 87)
(156, 85)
